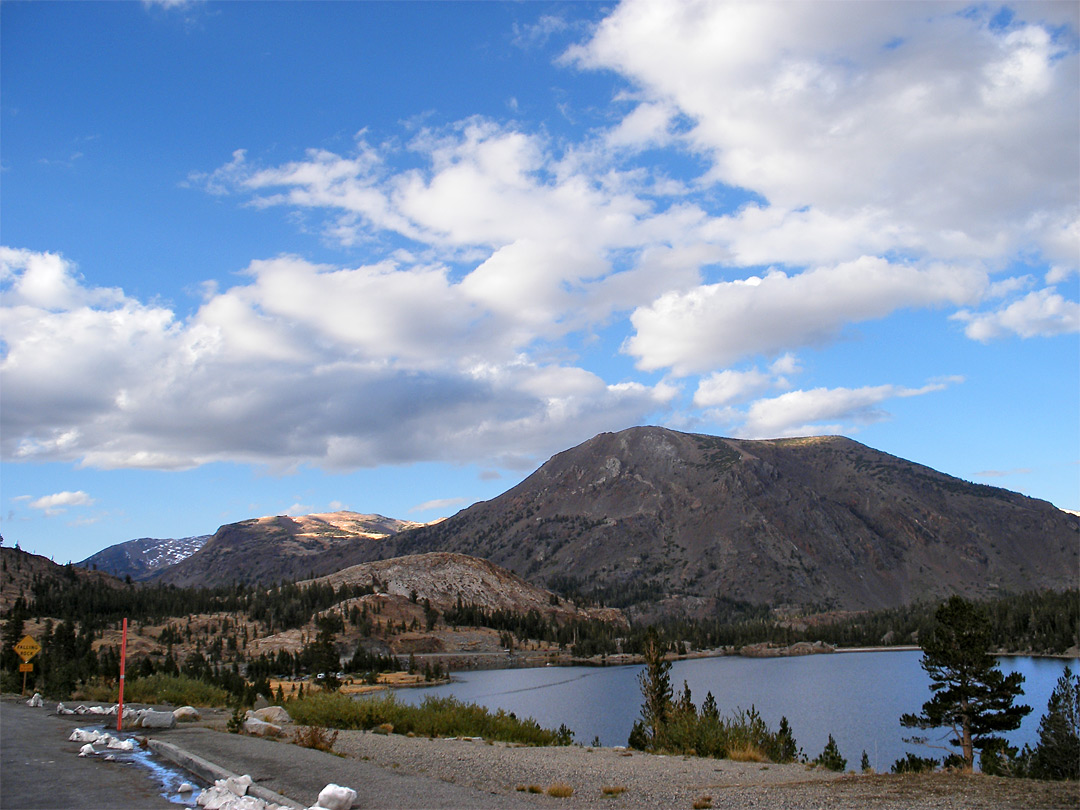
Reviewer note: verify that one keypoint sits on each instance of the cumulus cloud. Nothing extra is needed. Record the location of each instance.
(337, 367)
(913, 116)
(720, 324)
(1042, 313)
(59, 502)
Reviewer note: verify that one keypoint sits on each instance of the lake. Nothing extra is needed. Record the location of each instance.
(857, 697)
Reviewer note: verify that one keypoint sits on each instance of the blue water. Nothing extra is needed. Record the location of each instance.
(856, 697)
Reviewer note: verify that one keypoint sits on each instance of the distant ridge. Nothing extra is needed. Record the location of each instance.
(144, 557)
(267, 550)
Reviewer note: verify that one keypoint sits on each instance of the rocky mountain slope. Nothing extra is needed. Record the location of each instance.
(443, 579)
(671, 521)
(140, 559)
(269, 549)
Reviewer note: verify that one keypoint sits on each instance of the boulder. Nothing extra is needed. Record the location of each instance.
(260, 728)
(336, 797)
(272, 714)
(154, 719)
(186, 714)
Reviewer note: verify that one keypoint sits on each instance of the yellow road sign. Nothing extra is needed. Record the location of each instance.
(27, 648)
(26, 667)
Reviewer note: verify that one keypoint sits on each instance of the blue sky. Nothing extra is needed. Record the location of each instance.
(269, 258)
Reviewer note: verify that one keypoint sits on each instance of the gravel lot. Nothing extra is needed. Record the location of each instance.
(652, 781)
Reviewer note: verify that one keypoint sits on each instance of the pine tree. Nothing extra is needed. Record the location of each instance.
(830, 757)
(655, 682)
(971, 695)
(1057, 756)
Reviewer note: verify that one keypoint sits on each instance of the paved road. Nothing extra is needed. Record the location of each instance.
(300, 773)
(41, 770)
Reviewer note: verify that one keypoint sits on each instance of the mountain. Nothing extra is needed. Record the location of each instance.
(670, 522)
(19, 570)
(141, 558)
(267, 550)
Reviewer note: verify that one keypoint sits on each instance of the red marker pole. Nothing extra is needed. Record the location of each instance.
(123, 655)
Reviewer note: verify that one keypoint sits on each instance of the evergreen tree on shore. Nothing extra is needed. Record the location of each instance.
(972, 697)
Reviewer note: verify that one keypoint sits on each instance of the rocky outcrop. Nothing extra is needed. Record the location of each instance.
(766, 650)
(444, 580)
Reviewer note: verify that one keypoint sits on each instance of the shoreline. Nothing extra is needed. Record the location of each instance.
(486, 661)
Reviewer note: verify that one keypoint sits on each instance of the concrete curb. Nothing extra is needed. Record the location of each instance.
(210, 772)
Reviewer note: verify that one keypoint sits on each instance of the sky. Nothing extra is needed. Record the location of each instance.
(287, 258)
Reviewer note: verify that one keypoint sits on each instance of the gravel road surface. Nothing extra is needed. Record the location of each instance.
(393, 771)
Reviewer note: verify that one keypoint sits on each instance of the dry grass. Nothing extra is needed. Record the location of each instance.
(384, 728)
(704, 803)
(746, 752)
(320, 739)
(613, 790)
(560, 790)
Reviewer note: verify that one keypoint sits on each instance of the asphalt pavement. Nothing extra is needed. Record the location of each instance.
(41, 770)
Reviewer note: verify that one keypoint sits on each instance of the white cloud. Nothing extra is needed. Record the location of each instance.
(728, 387)
(913, 118)
(717, 325)
(1042, 313)
(440, 504)
(823, 410)
(340, 368)
(59, 502)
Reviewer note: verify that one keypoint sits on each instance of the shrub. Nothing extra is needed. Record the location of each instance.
(915, 764)
(179, 690)
(235, 723)
(704, 803)
(320, 739)
(613, 790)
(435, 717)
(560, 790)
(746, 752)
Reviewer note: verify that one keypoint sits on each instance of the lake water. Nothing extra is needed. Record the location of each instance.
(856, 697)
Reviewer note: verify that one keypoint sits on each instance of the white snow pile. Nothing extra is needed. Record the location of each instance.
(86, 735)
(102, 711)
(334, 797)
(35, 702)
(91, 737)
(87, 750)
(231, 794)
